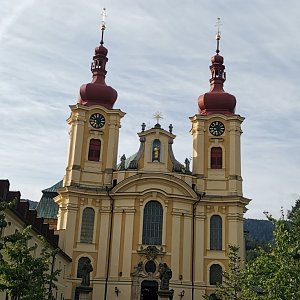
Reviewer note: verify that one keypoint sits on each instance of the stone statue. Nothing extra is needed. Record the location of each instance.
(138, 268)
(165, 276)
(122, 165)
(86, 270)
(187, 165)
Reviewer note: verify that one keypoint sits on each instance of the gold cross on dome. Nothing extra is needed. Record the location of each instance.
(157, 116)
(103, 25)
(218, 35)
(218, 25)
(103, 19)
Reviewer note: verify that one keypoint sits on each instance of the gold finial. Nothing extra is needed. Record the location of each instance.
(218, 34)
(157, 116)
(103, 18)
(103, 24)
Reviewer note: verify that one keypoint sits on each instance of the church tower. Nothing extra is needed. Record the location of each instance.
(216, 131)
(92, 159)
(94, 129)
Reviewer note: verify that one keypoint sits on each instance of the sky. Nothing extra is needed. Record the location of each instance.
(159, 57)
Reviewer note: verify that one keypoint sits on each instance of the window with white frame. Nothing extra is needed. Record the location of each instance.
(152, 223)
(215, 232)
(87, 225)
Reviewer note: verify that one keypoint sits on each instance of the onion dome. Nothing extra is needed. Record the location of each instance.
(98, 92)
(217, 100)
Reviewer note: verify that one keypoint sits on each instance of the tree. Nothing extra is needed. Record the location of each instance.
(232, 280)
(23, 276)
(294, 214)
(277, 270)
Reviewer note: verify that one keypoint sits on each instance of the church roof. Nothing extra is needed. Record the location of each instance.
(217, 100)
(54, 187)
(47, 208)
(98, 92)
(127, 162)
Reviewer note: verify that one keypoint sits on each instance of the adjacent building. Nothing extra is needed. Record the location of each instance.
(22, 215)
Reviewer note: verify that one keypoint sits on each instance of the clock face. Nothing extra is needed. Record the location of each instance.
(97, 120)
(216, 128)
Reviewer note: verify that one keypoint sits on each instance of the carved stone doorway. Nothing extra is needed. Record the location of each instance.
(149, 290)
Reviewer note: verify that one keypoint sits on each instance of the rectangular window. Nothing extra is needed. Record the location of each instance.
(216, 158)
(94, 150)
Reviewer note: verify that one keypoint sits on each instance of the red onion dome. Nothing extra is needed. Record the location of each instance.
(97, 92)
(217, 100)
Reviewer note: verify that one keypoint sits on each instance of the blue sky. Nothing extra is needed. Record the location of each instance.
(159, 57)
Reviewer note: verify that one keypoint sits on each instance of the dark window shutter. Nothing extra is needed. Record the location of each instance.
(94, 150)
(216, 158)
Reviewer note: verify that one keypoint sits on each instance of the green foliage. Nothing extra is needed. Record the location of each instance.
(294, 213)
(3, 223)
(231, 286)
(277, 271)
(23, 276)
(274, 272)
(253, 246)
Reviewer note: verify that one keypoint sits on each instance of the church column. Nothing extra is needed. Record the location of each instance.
(199, 245)
(103, 243)
(198, 146)
(126, 266)
(112, 147)
(187, 242)
(236, 228)
(235, 157)
(176, 240)
(115, 247)
(75, 146)
(70, 224)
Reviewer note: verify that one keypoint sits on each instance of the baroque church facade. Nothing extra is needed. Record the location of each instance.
(126, 219)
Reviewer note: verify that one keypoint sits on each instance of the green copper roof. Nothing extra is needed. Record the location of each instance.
(32, 204)
(47, 208)
(53, 188)
(127, 162)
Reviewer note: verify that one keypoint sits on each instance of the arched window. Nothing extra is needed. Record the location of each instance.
(156, 150)
(215, 274)
(215, 233)
(94, 150)
(216, 158)
(81, 262)
(152, 224)
(87, 225)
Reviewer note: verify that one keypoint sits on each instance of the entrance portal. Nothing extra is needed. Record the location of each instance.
(149, 290)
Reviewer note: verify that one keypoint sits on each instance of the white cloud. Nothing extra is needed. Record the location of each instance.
(159, 56)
